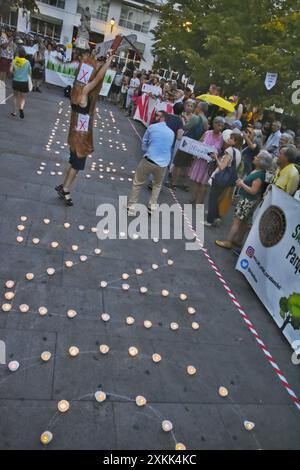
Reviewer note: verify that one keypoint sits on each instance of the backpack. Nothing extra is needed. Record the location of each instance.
(228, 176)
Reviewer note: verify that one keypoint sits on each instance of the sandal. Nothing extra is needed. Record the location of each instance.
(226, 244)
(65, 195)
(13, 114)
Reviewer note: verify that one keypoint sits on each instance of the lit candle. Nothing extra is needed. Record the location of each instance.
(73, 351)
(170, 262)
(155, 240)
(143, 290)
(24, 308)
(6, 307)
(71, 313)
(191, 370)
(63, 406)
(147, 324)
(165, 293)
(100, 396)
(9, 295)
(139, 271)
(46, 221)
(9, 284)
(67, 225)
(103, 284)
(104, 348)
(94, 229)
(183, 296)
(125, 286)
(249, 425)
(164, 251)
(75, 247)
(29, 276)
(54, 244)
(35, 241)
(105, 316)
(180, 446)
(81, 227)
(130, 320)
(223, 392)
(23, 218)
(83, 258)
(156, 357)
(13, 366)
(20, 228)
(140, 400)
(195, 325)
(125, 276)
(133, 351)
(43, 311)
(154, 266)
(191, 310)
(46, 437)
(20, 239)
(167, 426)
(97, 251)
(50, 271)
(174, 326)
(45, 356)
(69, 263)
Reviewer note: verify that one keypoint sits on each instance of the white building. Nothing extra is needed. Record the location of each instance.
(59, 19)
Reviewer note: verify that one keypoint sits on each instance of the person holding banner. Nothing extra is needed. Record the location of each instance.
(84, 95)
(249, 193)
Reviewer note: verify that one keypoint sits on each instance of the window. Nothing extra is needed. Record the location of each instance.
(98, 8)
(45, 28)
(55, 3)
(135, 19)
(11, 19)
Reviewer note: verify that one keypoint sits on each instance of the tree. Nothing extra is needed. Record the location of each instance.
(290, 311)
(233, 44)
(6, 5)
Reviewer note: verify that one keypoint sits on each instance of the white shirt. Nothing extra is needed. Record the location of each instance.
(134, 82)
(297, 195)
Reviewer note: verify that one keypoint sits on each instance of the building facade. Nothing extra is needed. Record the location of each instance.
(58, 20)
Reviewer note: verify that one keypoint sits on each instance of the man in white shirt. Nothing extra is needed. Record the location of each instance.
(133, 85)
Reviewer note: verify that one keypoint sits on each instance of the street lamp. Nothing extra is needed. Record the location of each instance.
(112, 24)
(188, 26)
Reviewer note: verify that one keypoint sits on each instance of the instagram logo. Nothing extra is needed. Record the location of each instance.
(250, 251)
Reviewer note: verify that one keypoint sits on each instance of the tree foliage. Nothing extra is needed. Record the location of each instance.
(29, 5)
(233, 44)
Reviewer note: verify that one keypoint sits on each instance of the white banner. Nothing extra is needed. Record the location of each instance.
(60, 73)
(154, 90)
(197, 148)
(107, 82)
(270, 261)
(270, 80)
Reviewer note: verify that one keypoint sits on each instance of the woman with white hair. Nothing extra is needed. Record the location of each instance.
(249, 194)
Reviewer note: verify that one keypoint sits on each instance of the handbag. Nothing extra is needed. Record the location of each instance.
(228, 176)
(30, 84)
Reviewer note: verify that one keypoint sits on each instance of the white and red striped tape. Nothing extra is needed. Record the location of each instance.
(236, 303)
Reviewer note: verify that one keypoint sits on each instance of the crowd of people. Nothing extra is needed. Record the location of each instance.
(250, 150)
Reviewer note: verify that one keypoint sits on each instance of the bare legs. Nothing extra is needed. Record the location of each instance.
(199, 191)
(18, 102)
(70, 176)
(236, 234)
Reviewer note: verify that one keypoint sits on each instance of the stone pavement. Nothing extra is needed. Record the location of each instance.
(222, 349)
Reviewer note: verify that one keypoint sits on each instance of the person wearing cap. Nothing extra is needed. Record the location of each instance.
(249, 194)
(84, 95)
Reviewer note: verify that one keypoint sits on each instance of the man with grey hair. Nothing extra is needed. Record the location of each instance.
(272, 144)
(287, 175)
(286, 139)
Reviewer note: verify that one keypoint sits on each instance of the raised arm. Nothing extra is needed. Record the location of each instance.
(100, 75)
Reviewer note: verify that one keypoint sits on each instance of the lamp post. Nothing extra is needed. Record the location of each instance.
(112, 24)
(188, 26)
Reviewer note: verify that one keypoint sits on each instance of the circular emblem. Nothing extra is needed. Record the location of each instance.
(272, 226)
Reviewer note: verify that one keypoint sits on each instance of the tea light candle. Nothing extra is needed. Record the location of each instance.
(223, 392)
(29, 276)
(73, 351)
(174, 326)
(63, 406)
(139, 271)
(191, 310)
(46, 437)
(195, 325)
(35, 241)
(103, 284)
(9, 295)
(9, 284)
(100, 396)
(54, 244)
(140, 400)
(133, 351)
(156, 357)
(24, 308)
(183, 296)
(20, 239)
(164, 251)
(103, 348)
(45, 356)
(167, 426)
(180, 446)
(165, 293)
(46, 221)
(125, 276)
(155, 240)
(130, 320)
(143, 290)
(147, 324)
(105, 316)
(6, 307)
(75, 247)
(97, 251)
(249, 425)
(13, 366)
(67, 225)
(154, 266)
(83, 258)
(81, 227)
(43, 311)
(94, 229)
(170, 262)
(125, 286)
(71, 313)
(69, 263)
(20, 228)
(23, 218)
(191, 370)
(50, 271)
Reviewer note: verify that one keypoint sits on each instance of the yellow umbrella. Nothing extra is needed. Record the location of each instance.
(218, 101)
